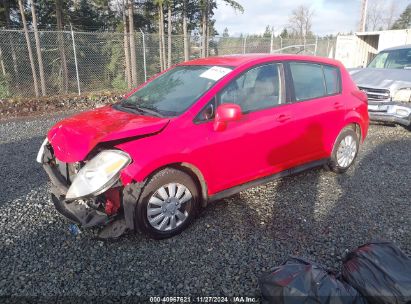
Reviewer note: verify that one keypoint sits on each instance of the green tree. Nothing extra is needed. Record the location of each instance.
(38, 49)
(7, 9)
(225, 33)
(133, 58)
(85, 16)
(404, 21)
(284, 34)
(26, 33)
(60, 17)
(207, 8)
(267, 32)
(106, 14)
(45, 12)
(161, 36)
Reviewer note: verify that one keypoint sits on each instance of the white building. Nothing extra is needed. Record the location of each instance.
(357, 50)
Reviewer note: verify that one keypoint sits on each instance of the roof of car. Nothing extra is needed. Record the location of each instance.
(238, 60)
(406, 46)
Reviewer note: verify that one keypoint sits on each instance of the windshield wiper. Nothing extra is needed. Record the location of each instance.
(141, 109)
(152, 111)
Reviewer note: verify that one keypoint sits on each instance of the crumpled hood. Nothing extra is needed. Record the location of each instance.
(390, 79)
(74, 137)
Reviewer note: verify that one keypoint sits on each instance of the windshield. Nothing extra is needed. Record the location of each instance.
(176, 90)
(395, 59)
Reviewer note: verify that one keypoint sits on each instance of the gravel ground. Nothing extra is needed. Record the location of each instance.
(316, 214)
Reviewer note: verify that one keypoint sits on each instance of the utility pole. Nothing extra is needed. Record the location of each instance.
(363, 19)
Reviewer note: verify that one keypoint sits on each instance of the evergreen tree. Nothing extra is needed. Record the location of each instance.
(284, 34)
(46, 14)
(267, 32)
(9, 14)
(404, 21)
(85, 16)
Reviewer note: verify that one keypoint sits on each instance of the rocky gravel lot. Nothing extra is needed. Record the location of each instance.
(316, 214)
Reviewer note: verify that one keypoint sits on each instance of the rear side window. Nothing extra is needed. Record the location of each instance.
(313, 80)
(332, 79)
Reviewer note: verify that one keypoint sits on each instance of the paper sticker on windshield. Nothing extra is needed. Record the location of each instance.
(215, 73)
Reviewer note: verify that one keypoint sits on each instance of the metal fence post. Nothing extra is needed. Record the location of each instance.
(328, 47)
(202, 52)
(3, 69)
(271, 42)
(144, 56)
(316, 43)
(244, 43)
(75, 59)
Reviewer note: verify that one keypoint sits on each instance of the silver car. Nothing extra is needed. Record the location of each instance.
(387, 82)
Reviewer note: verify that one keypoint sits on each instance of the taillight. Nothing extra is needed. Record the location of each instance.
(360, 95)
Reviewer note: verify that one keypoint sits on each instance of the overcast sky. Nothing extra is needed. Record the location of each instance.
(330, 17)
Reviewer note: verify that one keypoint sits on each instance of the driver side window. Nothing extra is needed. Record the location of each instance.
(256, 89)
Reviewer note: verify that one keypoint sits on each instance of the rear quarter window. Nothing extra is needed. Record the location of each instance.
(332, 79)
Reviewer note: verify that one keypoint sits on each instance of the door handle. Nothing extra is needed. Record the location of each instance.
(283, 118)
(338, 105)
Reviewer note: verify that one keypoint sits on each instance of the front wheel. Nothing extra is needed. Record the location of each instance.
(345, 151)
(168, 204)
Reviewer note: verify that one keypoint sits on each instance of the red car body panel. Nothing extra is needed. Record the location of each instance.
(73, 138)
(260, 144)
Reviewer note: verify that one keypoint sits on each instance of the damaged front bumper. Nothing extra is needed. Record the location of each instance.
(392, 112)
(79, 212)
(100, 210)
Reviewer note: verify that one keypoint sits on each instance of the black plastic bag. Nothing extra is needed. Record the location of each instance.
(299, 281)
(380, 271)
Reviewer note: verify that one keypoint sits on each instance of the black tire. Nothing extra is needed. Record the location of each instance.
(333, 163)
(161, 178)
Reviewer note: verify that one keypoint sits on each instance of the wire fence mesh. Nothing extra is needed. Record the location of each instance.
(86, 62)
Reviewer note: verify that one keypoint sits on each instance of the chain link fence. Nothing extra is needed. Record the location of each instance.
(87, 62)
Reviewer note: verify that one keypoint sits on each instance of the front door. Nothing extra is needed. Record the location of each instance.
(246, 149)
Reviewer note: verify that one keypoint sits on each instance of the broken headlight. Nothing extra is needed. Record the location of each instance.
(99, 174)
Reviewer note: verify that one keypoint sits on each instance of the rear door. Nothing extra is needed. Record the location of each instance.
(317, 111)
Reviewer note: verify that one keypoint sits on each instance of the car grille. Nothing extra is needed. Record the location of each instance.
(380, 95)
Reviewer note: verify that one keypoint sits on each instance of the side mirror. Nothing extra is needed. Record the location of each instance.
(225, 113)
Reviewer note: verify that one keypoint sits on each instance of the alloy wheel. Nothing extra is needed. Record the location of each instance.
(346, 151)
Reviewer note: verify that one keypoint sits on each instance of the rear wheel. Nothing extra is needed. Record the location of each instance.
(345, 150)
(168, 204)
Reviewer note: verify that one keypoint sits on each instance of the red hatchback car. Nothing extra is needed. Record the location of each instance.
(198, 132)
